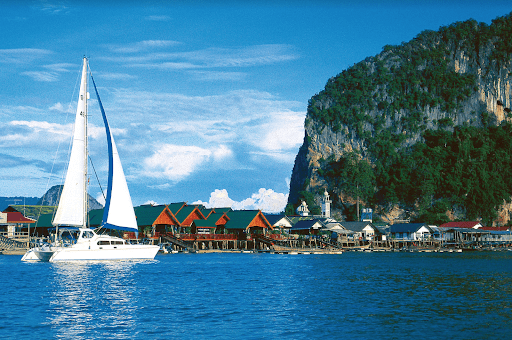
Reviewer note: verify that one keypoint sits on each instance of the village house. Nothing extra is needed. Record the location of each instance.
(12, 223)
(410, 231)
(307, 227)
(362, 231)
(186, 214)
(154, 220)
(245, 223)
(281, 223)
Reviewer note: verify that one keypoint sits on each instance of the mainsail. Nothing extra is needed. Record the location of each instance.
(73, 199)
(118, 212)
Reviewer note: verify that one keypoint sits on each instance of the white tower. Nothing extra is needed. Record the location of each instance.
(326, 205)
(302, 209)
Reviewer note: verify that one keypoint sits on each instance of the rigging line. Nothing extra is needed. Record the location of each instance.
(94, 169)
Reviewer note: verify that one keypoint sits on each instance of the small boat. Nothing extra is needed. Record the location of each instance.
(72, 210)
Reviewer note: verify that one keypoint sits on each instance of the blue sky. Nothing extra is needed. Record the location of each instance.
(206, 99)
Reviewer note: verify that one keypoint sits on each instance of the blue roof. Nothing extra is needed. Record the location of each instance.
(305, 224)
(406, 227)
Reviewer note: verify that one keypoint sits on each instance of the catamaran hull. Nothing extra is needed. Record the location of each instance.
(38, 255)
(145, 252)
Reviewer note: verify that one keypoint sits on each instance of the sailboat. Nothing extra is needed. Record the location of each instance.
(72, 210)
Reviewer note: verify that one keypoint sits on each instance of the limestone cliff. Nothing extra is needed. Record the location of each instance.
(458, 76)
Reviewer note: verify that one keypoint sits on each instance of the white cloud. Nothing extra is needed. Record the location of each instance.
(283, 131)
(207, 58)
(266, 200)
(60, 108)
(141, 46)
(278, 136)
(116, 76)
(22, 133)
(175, 162)
(222, 153)
(150, 202)
(61, 67)
(21, 55)
(42, 75)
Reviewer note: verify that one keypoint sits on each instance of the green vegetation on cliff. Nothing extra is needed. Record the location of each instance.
(469, 167)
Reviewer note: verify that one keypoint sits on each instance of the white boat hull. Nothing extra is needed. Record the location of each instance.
(125, 252)
(42, 254)
(92, 247)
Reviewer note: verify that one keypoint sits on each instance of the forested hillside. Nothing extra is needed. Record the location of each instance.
(421, 131)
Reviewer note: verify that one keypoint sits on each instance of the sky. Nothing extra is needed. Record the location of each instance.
(206, 99)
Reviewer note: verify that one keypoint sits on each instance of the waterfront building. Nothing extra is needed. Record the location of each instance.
(12, 223)
(281, 223)
(307, 227)
(363, 231)
(247, 222)
(154, 220)
(186, 214)
(410, 231)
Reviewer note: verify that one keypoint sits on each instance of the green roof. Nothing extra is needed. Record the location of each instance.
(44, 221)
(240, 219)
(205, 223)
(95, 217)
(147, 214)
(222, 210)
(174, 207)
(206, 211)
(184, 212)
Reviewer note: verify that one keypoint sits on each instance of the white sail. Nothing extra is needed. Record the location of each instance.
(118, 212)
(73, 201)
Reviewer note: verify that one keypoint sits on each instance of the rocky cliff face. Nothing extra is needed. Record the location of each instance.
(458, 76)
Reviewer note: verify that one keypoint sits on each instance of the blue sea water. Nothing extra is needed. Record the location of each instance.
(261, 296)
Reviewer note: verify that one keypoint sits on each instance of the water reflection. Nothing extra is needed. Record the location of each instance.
(93, 300)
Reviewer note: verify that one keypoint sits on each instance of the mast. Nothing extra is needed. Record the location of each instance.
(86, 152)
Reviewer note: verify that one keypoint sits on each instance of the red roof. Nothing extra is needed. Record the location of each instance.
(17, 217)
(505, 228)
(467, 225)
